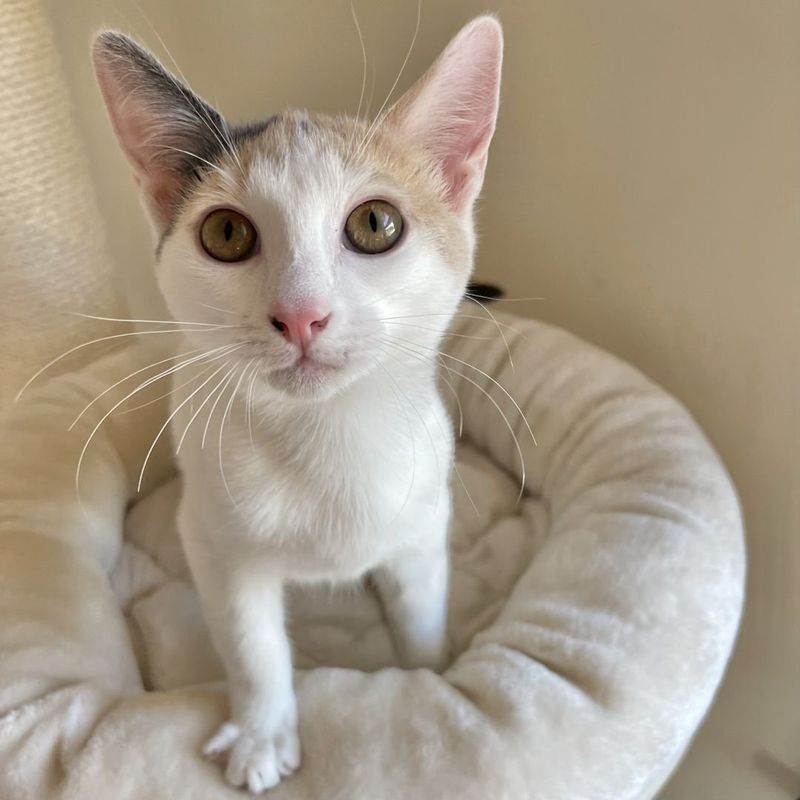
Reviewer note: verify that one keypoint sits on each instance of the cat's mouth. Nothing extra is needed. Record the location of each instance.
(309, 376)
(313, 369)
(311, 365)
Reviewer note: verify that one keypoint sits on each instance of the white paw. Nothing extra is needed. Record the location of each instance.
(256, 761)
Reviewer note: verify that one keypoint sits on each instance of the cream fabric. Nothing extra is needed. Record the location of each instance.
(592, 624)
(53, 258)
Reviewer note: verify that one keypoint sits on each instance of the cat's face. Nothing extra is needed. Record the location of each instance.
(316, 309)
(324, 248)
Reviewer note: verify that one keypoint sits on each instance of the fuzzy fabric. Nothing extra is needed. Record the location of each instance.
(590, 624)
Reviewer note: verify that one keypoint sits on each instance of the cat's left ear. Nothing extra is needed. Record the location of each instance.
(165, 130)
(451, 111)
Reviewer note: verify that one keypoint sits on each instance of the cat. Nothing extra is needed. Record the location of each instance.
(302, 248)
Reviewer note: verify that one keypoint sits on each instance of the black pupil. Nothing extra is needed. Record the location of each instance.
(228, 230)
(373, 221)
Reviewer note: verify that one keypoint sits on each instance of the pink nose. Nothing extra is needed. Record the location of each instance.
(300, 327)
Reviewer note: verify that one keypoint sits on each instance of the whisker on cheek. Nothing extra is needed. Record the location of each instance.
(249, 402)
(410, 349)
(222, 430)
(460, 427)
(444, 332)
(174, 322)
(101, 339)
(201, 354)
(499, 329)
(171, 392)
(166, 424)
(97, 427)
(228, 378)
(199, 409)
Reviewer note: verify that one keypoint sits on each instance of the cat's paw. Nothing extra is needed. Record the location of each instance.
(256, 760)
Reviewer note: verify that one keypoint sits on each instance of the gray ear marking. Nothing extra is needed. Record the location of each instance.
(144, 73)
(167, 132)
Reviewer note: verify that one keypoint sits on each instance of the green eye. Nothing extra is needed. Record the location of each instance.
(227, 235)
(374, 227)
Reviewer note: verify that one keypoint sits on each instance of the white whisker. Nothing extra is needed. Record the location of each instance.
(457, 315)
(363, 78)
(222, 429)
(402, 288)
(371, 95)
(457, 399)
(151, 321)
(137, 372)
(168, 420)
(229, 377)
(224, 142)
(443, 333)
(499, 329)
(205, 161)
(460, 429)
(98, 341)
(96, 428)
(378, 117)
(413, 445)
(174, 390)
(504, 299)
(200, 408)
(249, 402)
(493, 380)
(217, 308)
(517, 445)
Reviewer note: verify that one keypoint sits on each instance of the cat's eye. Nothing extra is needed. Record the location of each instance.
(374, 227)
(227, 235)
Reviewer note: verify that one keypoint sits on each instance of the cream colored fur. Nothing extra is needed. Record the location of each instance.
(596, 651)
(585, 658)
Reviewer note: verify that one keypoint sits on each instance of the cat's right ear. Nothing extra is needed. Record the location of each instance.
(164, 129)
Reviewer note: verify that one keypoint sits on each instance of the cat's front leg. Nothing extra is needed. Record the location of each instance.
(413, 590)
(243, 603)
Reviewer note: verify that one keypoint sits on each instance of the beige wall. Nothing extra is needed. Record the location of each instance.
(645, 181)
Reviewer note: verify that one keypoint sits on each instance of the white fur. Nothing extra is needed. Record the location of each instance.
(331, 471)
(329, 489)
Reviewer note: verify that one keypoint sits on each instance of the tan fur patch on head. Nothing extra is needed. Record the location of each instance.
(375, 150)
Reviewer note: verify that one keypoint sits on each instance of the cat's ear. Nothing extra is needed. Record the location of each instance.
(164, 129)
(451, 111)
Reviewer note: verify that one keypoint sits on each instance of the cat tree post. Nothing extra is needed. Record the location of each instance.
(53, 254)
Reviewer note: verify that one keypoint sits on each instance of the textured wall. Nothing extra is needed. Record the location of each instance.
(53, 258)
(645, 181)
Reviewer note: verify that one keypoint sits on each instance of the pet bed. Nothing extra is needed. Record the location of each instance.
(590, 622)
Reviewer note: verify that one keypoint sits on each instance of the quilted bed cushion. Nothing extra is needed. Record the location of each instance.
(590, 623)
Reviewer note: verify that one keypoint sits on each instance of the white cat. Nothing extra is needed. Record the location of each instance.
(304, 249)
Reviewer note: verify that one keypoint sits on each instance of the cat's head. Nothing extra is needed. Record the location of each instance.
(327, 247)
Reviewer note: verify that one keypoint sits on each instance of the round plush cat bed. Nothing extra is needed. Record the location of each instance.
(590, 622)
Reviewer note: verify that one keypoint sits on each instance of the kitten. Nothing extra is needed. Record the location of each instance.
(302, 248)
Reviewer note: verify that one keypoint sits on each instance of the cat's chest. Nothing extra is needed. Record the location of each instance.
(327, 505)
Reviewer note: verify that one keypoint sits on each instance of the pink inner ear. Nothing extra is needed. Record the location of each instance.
(157, 120)
(451, 111)
(137, 128)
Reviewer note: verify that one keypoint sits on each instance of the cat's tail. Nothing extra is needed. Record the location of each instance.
(485, 292)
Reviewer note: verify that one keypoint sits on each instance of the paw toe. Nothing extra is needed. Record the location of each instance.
(262, 776)
(221, 741)
(255, 763)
